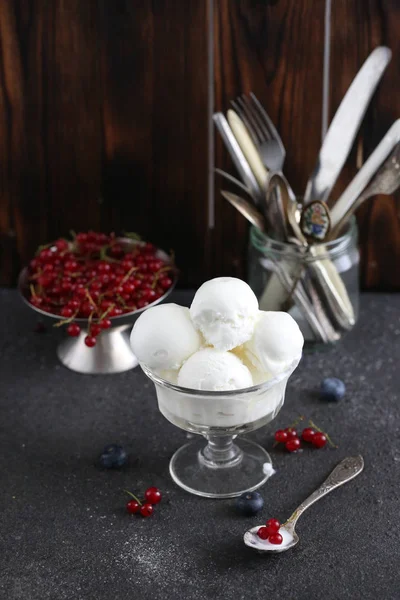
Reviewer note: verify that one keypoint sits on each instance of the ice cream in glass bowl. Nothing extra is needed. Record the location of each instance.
(220, 369)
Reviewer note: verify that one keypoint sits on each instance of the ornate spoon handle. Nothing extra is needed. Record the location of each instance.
(345, 471)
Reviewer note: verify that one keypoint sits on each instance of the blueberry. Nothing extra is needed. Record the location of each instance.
(250, 503)
(332, 389)
(113, 456)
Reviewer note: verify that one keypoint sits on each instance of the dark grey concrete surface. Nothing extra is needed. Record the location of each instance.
(64, 533)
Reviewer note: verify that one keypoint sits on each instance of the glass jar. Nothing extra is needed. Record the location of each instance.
(318, 285)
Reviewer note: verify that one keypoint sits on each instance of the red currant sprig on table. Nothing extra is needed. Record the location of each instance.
(95, 277)
(312, 435)
(151, 496)
(270, 532)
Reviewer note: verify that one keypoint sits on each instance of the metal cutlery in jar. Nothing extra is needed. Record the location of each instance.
(323, 269)
(238, 157)
(385, 181)
(365, 174)
(345, 125)
(292, 286)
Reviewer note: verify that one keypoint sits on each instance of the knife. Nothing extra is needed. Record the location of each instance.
(238, 157)
(365, 174)
(345, 125)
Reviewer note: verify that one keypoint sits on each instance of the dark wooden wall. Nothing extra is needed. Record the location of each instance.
(105, 115)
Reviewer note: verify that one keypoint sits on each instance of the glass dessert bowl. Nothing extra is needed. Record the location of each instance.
(225, 466)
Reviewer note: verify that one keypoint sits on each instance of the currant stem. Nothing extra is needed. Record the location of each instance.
(65, 321)
(314, 426)
(105, 313)
(129, 273)
(133, 496)
(297, 421)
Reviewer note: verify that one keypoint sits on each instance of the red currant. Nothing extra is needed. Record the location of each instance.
(293, 445)
(153, 495)
(104, 278)
(44, 280)
(275, 539)
(133, 507)
(86, 309)
(105, 324)
(291, 433)
(149, 295)
(128, 287)
(104, 267)
(61, 244)
(74, 304)
(73, 329)
(155, 265)
(95, 329)
(319, 440)
(146, 509)
(46, 255)
(71, 265)
(66, 286)
(127, 264)
(142, 303)
(90, 341)
(263, 533)
(165, 283)
(281, 436)
(36, 300)
(66, 312)
(273, 525)
(308, 434)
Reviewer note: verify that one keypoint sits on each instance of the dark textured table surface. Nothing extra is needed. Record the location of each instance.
(64, 532)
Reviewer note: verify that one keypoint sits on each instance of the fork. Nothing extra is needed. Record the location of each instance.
(262, 131)
(264, 135)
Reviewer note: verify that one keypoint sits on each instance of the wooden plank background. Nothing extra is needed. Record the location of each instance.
(105, 116)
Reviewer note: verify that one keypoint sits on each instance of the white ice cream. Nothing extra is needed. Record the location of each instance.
(164, 337)
(214, 370)
(257, 375)
(225, 310)
(277, 341)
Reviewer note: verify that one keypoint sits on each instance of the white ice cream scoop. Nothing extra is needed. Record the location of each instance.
(163, 337)
(225, 310)
(214, 370)
(276, 342)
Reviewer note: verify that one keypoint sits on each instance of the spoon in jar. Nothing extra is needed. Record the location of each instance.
(247, 209)
(345, 471)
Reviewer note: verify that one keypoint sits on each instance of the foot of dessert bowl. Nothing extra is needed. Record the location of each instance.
(220, 370)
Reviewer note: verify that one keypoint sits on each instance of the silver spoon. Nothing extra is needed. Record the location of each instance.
(282, 207)
(246, 209)
(345, 471)
(386, 181)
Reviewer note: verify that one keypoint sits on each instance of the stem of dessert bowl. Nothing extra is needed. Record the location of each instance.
(220, 452)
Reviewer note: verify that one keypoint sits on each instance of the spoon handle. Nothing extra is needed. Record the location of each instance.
(346, 470)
